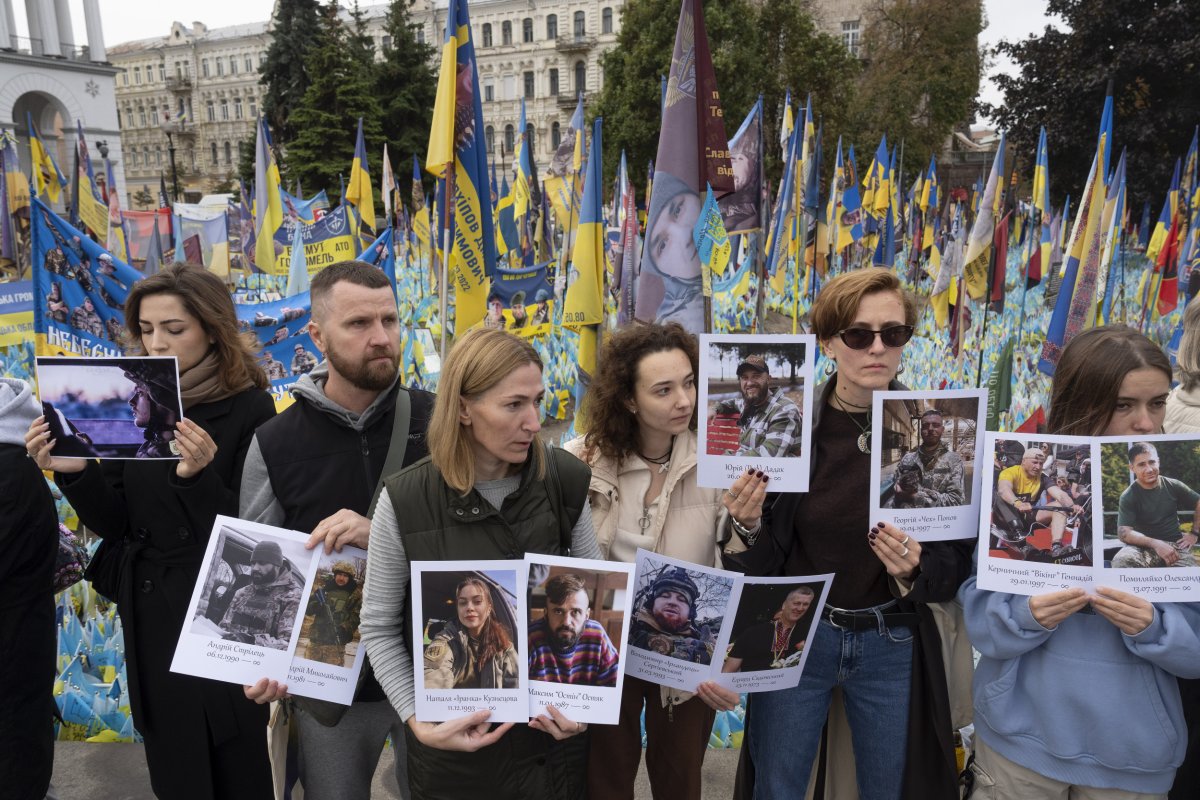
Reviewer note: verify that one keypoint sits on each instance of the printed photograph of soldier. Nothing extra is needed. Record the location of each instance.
(469, 637)
(253, 589)
(516, 306)
(541, 312)
(771, 626)
(329, 633)
(678, 612)
(575, 621)
(56, 307)
(303, 362)
(274, 368)
(755, 397)
(85, 319)
(928, 455)
(1032, 517)
(494, 319)
(1150, 503)
(111, 407)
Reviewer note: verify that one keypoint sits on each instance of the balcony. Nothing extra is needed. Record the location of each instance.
(177, 83)
(567, 101)
(574, 44)
(36, 47)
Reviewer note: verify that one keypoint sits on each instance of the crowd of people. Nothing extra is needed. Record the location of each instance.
(1076, 694)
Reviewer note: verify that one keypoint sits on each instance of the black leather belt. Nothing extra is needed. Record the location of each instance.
(867, 620)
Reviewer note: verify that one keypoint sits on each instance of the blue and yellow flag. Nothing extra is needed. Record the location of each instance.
(520, 186)
(47, 177)
(929, 200)
(268, 208)
(1041, 202)
(712, 242)
(584, 303)
(456, 141)
(1163, 226)
(358, 190)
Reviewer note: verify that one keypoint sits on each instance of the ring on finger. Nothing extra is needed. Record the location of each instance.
(905, 552)
(905, 539)
(732, 493)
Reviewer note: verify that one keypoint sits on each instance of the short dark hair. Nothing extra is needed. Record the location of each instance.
(1137, 448)
(357, 272)
(560, 587)
(932, 412)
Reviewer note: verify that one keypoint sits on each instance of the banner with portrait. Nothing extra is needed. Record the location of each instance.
(521, 301)
(326, 241)
(741, 210)
(281, 328)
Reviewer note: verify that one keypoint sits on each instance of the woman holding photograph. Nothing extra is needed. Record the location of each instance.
(1039, 732)
(473, 651)
(203, 739)
(641, 446)
(488, 490)
(877, 639)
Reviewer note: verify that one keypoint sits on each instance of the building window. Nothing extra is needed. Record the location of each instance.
(129, 118)
(421, 35)
(528, 85)
(253, 107)
(529, 138)
(212, 112)
(606, 21)
(133, 157)
(154, 120)
(386, 43)
(204, 67)
(228, 153)
(489, 92)
(142, 116)
(249, 63)
(527, 30)
(506, 32)
(850, 36)
(552, 26)
(580, 77)
(220, 67)
(187, 69)
(162, 72)
(510, 138)
(490, 137)
(554, 82)
(158, 155)
(125, 78)
(237, 108)
(137, 75)
(487, 34)
(233, 65)
(262, 58)
(192, 157)
(191, 116)
(224, 109)
(214, 153)
(555, 135)
(580, 24)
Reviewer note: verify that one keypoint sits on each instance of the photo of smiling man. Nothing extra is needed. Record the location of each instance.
(1149, 524)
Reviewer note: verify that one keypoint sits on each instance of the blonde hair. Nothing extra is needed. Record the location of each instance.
(1188, 358)
(479, 360)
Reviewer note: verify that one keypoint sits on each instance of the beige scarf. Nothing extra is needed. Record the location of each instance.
(202, 383)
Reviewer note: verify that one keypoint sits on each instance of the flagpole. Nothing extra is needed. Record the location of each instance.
(448, 217)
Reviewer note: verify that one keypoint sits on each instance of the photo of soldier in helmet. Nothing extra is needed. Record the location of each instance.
(667, 618)
(332, 612)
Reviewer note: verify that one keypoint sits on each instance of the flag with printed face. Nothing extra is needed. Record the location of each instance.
(741, 208)
(979, 241)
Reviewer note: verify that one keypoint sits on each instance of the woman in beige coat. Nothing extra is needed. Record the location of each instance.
(641, 445)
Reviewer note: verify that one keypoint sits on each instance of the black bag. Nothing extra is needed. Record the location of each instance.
(104, 568)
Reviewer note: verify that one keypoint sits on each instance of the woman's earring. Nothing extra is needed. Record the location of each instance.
(830, 367)
(900, 370)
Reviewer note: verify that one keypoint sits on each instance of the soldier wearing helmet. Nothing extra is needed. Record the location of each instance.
(334, 606)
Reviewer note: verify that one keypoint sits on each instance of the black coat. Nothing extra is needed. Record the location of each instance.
(203, 738)
(931, 771)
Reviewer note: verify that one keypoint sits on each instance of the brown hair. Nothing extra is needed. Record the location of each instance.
(479, 360)
(1089, 375)
(560, 587)
(612, 429)
(838, 301)
(359, 273)
(494, 638)
(207, 299)
(1188, 358)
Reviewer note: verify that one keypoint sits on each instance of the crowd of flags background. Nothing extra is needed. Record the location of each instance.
(1007, 277)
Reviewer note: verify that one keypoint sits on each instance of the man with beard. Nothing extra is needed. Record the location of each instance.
(263, 612)
(769, 422)
(334, 607)
(776, 643)
(316, 467)
(567, 645)
(942, 467)
(665, 623)
(1148, 515)
(1023, 492)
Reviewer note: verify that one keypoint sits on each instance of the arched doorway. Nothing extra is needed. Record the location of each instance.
(51, 119)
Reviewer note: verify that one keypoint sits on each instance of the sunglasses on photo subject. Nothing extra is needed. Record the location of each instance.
(862, 338)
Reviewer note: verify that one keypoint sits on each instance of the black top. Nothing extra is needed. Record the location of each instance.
(755, 645)
(832, 520)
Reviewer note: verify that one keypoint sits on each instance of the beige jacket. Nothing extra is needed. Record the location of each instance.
(691, 525)
(1183, 411)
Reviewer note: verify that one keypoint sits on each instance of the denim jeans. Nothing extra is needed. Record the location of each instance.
(874, 670)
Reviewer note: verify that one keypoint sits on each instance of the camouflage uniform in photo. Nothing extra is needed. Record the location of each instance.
(451, 661)
(264, 615)
(335, 611)
(688, 644)
(944, 475)
(910, 469)
(769, 431)
(87, 322)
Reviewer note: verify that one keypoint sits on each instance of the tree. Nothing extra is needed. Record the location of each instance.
(325, 119)
(921, 76)
(142, 198)
(286, 73)
(245, 164)
(1147, 48)
(405, 87)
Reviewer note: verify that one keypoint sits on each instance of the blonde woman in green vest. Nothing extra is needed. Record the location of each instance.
(488, 490)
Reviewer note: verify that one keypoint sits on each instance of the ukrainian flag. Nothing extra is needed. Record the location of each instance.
(584, 303)
(358, 190)
(268, 208)
(46, 175)
(456, 140)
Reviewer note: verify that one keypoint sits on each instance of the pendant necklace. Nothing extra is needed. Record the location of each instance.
(663, 462)
(864, 437)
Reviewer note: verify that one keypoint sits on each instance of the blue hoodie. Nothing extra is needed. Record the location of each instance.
(1082, 703)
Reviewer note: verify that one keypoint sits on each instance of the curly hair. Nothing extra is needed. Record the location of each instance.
(494, 638)
(612, 429)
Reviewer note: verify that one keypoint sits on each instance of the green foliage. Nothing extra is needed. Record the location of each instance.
(245, 164)
(405, 88)
(325, 119)
(1148, 48)
(294, 31)
(920, 79)
(142, 198)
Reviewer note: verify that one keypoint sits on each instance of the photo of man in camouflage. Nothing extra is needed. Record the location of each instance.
(665, 623)
(264, 611)
(334, 605)
(769, 422)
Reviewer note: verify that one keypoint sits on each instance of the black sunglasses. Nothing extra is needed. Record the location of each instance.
(862, 338)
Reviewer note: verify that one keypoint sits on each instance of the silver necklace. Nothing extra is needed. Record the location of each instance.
(864, 437)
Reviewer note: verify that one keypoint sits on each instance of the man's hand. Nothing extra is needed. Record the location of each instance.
(1053, 607)
(238, 636)
(1186, 542)
(464, 734)
(265, 691)
(1022, 506)
(1166, 551)
(1130, 613)
(343, 528)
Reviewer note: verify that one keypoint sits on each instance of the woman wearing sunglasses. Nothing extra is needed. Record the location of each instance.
(876, 641)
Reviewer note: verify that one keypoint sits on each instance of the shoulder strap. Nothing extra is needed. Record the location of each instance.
(567, 481)
(396, 447)
(554, 489)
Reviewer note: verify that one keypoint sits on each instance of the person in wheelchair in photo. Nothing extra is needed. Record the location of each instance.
(1025, 496)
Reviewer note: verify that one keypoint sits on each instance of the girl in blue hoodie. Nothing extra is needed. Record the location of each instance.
(1075, 694)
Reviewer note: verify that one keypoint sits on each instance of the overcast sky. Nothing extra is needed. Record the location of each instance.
(125, 20)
